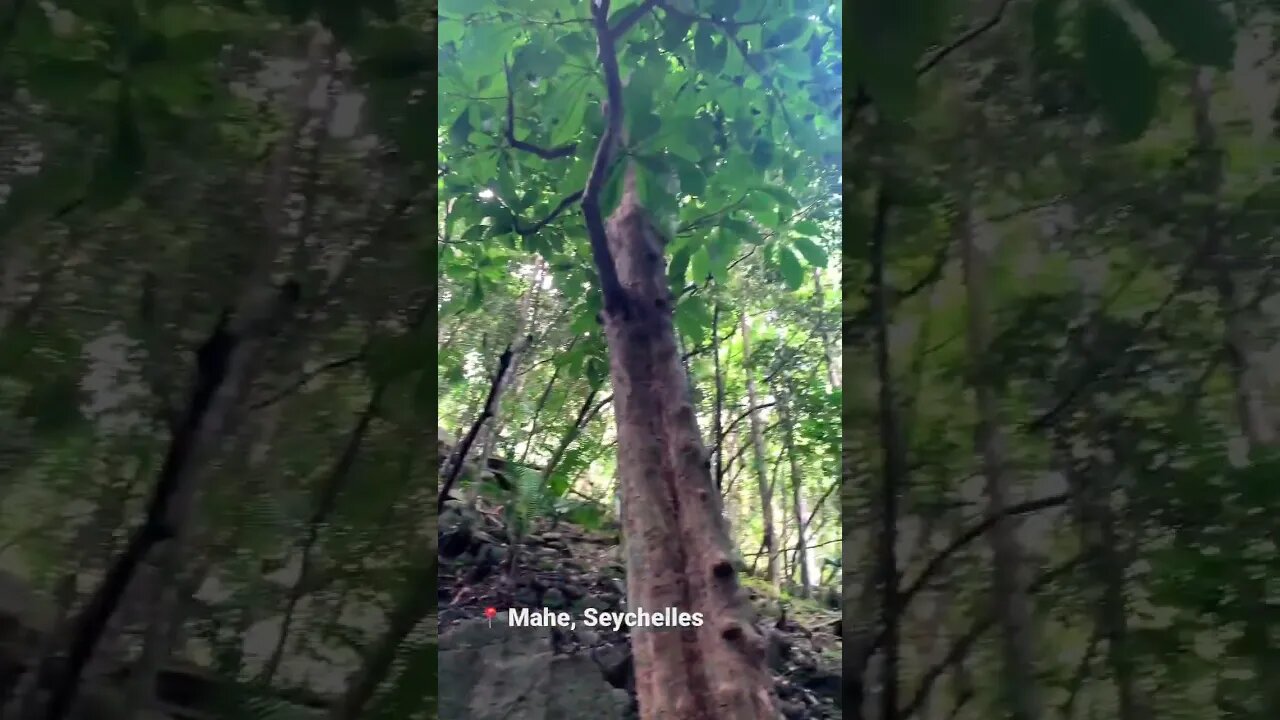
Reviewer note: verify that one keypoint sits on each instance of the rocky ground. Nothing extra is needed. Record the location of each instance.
(583, 673)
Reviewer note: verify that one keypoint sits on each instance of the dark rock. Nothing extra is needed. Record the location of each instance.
(616, 666)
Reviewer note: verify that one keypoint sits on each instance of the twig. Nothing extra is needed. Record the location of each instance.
(966, 38)
(1094, 370)
(861, 99)
(464, 448)
(1082, 672)
(729, 428)
(307, 377)
(975, 532)
(960, 650)
(564, 205)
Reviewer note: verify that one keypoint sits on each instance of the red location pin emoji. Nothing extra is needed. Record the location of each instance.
(489, 613)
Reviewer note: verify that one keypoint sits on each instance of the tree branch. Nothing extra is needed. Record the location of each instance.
(861, 99)
(960, 650)
(968, 37)
(564, 205)
(544, 153)
(464, 448)
(307, 377)
(620, 27)
(1094, 370)
(729, 428)
(611, 290)
(968, 536)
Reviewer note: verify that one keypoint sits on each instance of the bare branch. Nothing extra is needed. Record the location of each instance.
(968, 37)
(307, 377)
(464, 448)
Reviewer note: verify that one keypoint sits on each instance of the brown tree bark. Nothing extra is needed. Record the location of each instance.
(677, 545)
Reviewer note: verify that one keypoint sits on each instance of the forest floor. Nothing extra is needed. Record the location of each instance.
(564, 567)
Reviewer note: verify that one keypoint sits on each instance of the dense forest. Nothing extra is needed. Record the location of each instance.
(1060, 332)
(216, 393)
(638, 324)
(1049, 492)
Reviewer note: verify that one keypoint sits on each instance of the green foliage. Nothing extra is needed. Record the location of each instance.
(532, 498)
(1118, 70)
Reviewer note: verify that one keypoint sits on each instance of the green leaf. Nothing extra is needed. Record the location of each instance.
(569, 121)
(807, 227)
(66, 80)
(392, 357)
(674, 29)
(888, 41)
(720, 253)
(692, 319)
(461, 128)
(762, 154)
(644, 125)
(1044, 28)
(53, 405)
(120, 168)
(1118, 71)
(534, 59)
(1196, 29)
(780, 194)
(792, 271)
(692, 181)
(678, 268)
(788, 31)
(61, 182)
(611, 195)
(707, 53)
(700, 265)
(477, 295)
(815, 255)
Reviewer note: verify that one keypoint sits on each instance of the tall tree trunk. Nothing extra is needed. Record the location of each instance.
(804, 557)
(893, 461)
(717, 423)
(1255, 423)
(758, 455)
(678, 551)
(677, 545)
(1012, 605)
(1091, 491)
(832, 379)
(1252, 413)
